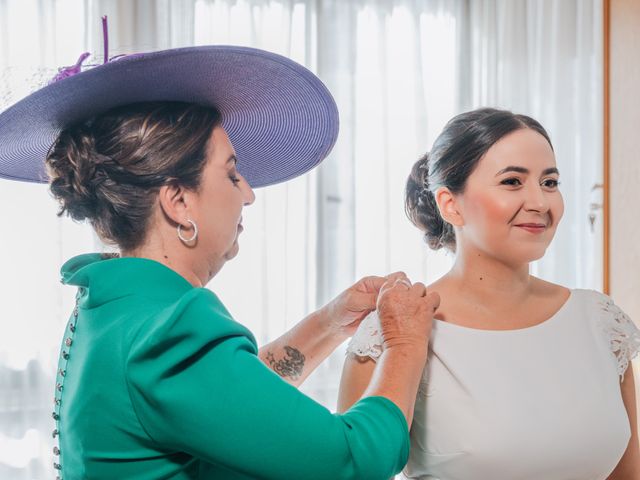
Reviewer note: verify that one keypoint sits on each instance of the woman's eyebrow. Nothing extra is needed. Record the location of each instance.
(525, 171)
(233, 159)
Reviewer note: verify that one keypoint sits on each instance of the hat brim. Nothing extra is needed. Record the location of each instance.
(280, 118)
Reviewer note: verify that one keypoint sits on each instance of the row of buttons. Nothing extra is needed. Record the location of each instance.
(62, 372)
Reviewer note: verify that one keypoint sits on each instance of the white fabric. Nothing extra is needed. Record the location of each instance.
(542, 402)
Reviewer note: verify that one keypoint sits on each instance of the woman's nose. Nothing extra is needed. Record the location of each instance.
(249, 195)
(536, 199)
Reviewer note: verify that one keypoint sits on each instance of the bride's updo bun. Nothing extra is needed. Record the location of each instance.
(455, 154)
(422, 209)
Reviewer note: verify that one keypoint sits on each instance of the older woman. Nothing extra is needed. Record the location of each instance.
(522, 375)
(156, 379)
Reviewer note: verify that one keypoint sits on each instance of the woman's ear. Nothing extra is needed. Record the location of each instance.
(448, 206)
(174, 202)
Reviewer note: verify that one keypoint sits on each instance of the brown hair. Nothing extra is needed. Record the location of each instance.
(108, 170)
(454, 156)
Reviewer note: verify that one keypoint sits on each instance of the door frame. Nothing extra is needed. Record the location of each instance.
(606, 17)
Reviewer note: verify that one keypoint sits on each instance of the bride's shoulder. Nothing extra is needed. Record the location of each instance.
(620, 332)
(588, 298)
(442, 286)
(550, 290)
(600, 303)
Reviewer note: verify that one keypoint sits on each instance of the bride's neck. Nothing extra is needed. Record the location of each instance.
(482, 277)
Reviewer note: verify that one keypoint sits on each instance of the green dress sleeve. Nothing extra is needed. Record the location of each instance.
(198, 387)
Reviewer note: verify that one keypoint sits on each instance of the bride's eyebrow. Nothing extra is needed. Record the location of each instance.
(525, 171)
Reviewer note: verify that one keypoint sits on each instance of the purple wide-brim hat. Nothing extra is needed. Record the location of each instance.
(280, 118)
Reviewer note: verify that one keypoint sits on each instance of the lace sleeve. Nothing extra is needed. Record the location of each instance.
(623, 335)
(367, 341)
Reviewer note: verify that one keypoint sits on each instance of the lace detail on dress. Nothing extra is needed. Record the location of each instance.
(367, 341)
(624, 336)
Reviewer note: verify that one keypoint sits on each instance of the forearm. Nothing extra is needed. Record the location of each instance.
(299, 351)
(397, 377)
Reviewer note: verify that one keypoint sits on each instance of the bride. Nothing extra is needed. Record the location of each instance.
(525, 379)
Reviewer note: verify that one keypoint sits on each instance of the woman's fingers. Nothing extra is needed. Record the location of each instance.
(396, 280)
(403, 281)
(419, 289)
(433, 300)
(392, 277)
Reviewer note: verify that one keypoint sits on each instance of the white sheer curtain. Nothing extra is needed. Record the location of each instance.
(398, 69)
(32, 245)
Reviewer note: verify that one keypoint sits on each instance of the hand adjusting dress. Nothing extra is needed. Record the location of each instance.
(536, 403)
(157, 381)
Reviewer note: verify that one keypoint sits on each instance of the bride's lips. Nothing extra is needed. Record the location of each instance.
(532, 227)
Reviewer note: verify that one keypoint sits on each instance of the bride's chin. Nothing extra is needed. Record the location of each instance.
(529, 256)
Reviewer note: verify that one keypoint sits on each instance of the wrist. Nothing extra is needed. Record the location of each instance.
(327, 325)
(411, 349)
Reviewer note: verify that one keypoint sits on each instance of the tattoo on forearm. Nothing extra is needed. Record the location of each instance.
(289, 366)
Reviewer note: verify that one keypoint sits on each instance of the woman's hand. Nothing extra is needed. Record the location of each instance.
(299, 351)
(345, 312)
(406, 312)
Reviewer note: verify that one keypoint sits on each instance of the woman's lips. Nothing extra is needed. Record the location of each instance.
(532, 227)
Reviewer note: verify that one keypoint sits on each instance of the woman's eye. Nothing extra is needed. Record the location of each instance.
(511, 181)
(235, 180)
(551, 183)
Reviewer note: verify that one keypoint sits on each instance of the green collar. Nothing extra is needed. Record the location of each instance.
(105, 278)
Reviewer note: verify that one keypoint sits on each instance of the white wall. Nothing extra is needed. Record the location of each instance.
(625, 156)
(625, 161)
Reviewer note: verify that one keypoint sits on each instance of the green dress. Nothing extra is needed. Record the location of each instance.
(157, 381)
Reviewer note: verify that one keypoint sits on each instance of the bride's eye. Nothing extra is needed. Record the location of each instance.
(513, 182)
(551, 183)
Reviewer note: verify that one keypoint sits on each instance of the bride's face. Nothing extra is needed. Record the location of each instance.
(511, 204)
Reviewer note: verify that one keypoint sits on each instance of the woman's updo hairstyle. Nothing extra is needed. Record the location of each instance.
(454, 156)
(109, 170)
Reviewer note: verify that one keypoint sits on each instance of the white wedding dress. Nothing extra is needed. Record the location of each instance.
(538, 403)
